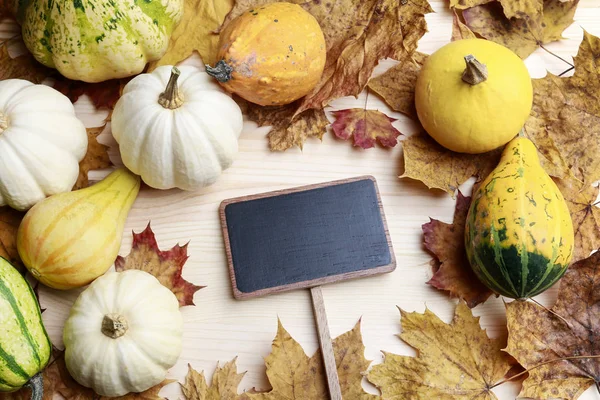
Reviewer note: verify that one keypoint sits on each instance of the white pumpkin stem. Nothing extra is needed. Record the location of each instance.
(3, 123)
(171, 98)
(475, 72)
(114, 325)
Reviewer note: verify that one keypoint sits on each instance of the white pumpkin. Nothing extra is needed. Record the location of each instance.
(174, 134)
(123, 333)
(41, 143)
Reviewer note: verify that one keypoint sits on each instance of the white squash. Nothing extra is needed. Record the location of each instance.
(41, 143)
(173, 134)
(123, 333)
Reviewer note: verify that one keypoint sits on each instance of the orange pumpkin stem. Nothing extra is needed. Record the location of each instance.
(221, 72)
(475, 72)
(114, 326)
(170, 98)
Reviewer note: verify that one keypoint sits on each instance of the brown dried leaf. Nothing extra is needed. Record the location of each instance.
(9, 224)
(397, 85)
(95, 158)
(536, 336)
(464, 4)
(166, 266)
(22, 67)
(459, 29)
(295, 376)
(286, 130)
(524, 34)
(564, 119)
(196, 32)
(451, 268)
(455, 361)
(425, 160)
(103, 95)
(225, 382)
(585, 214)
(366, 127)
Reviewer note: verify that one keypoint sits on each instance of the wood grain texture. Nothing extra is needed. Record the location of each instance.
(335, 392)
(220, 328)
(305, 236)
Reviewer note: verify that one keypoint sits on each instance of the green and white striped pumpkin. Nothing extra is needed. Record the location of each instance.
(96, 40)
(24, 345)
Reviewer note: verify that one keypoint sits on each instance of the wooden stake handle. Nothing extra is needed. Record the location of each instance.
(335, 392)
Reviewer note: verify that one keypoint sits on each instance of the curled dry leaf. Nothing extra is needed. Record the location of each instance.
(540, 339)
(295, 376)
(286, 130)
(196, 32)
(564, 120)
(522, 26)
(23, 66)
(366, 127)
(102, 95)
(166, 266)
(397, 85)
(9, 224)
(225, 382)
(455, 361)
(439, 168)
(451, 268)
(459, 29)
(584, 207)
(95, 158)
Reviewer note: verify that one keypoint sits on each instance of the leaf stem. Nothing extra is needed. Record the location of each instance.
(556, 55)
(567, 70)
(541, 365)
(552, 312)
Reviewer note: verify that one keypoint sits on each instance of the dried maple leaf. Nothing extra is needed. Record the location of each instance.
(295, 376)
(425, 160)
(103, 95)
(564, 119)
(522, 26)
(451, 268)
(96, 157)
(397, 85)
(9, 224)
(455, 361)
(196, 32)
(166, 266)
(225, 381)
(287, 131)
(366, 127)
(535, 336)
(584, 207)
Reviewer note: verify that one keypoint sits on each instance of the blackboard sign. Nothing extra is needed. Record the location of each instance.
(305, 237)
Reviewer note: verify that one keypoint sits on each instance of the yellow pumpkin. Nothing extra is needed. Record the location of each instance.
(473, 95)
(271, 55)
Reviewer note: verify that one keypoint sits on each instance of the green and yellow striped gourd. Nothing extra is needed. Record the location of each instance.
(519, 234)
(24, 345)
(96, 40)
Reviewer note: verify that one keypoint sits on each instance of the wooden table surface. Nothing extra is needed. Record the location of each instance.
(220, 328)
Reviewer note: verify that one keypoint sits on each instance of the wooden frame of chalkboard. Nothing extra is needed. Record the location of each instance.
(239, 295)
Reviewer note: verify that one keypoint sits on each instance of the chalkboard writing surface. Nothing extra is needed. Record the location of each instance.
(305, 237)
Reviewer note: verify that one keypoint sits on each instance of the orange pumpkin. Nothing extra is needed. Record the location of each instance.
(271, 55)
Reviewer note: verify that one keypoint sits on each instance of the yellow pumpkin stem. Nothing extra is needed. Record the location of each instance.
(475, 72)
(114, 326)
(171, 98)
(221, 71)
(3, 123)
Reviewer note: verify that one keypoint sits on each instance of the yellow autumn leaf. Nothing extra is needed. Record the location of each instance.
(455, 361)
(196, 32)
(224, 385)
